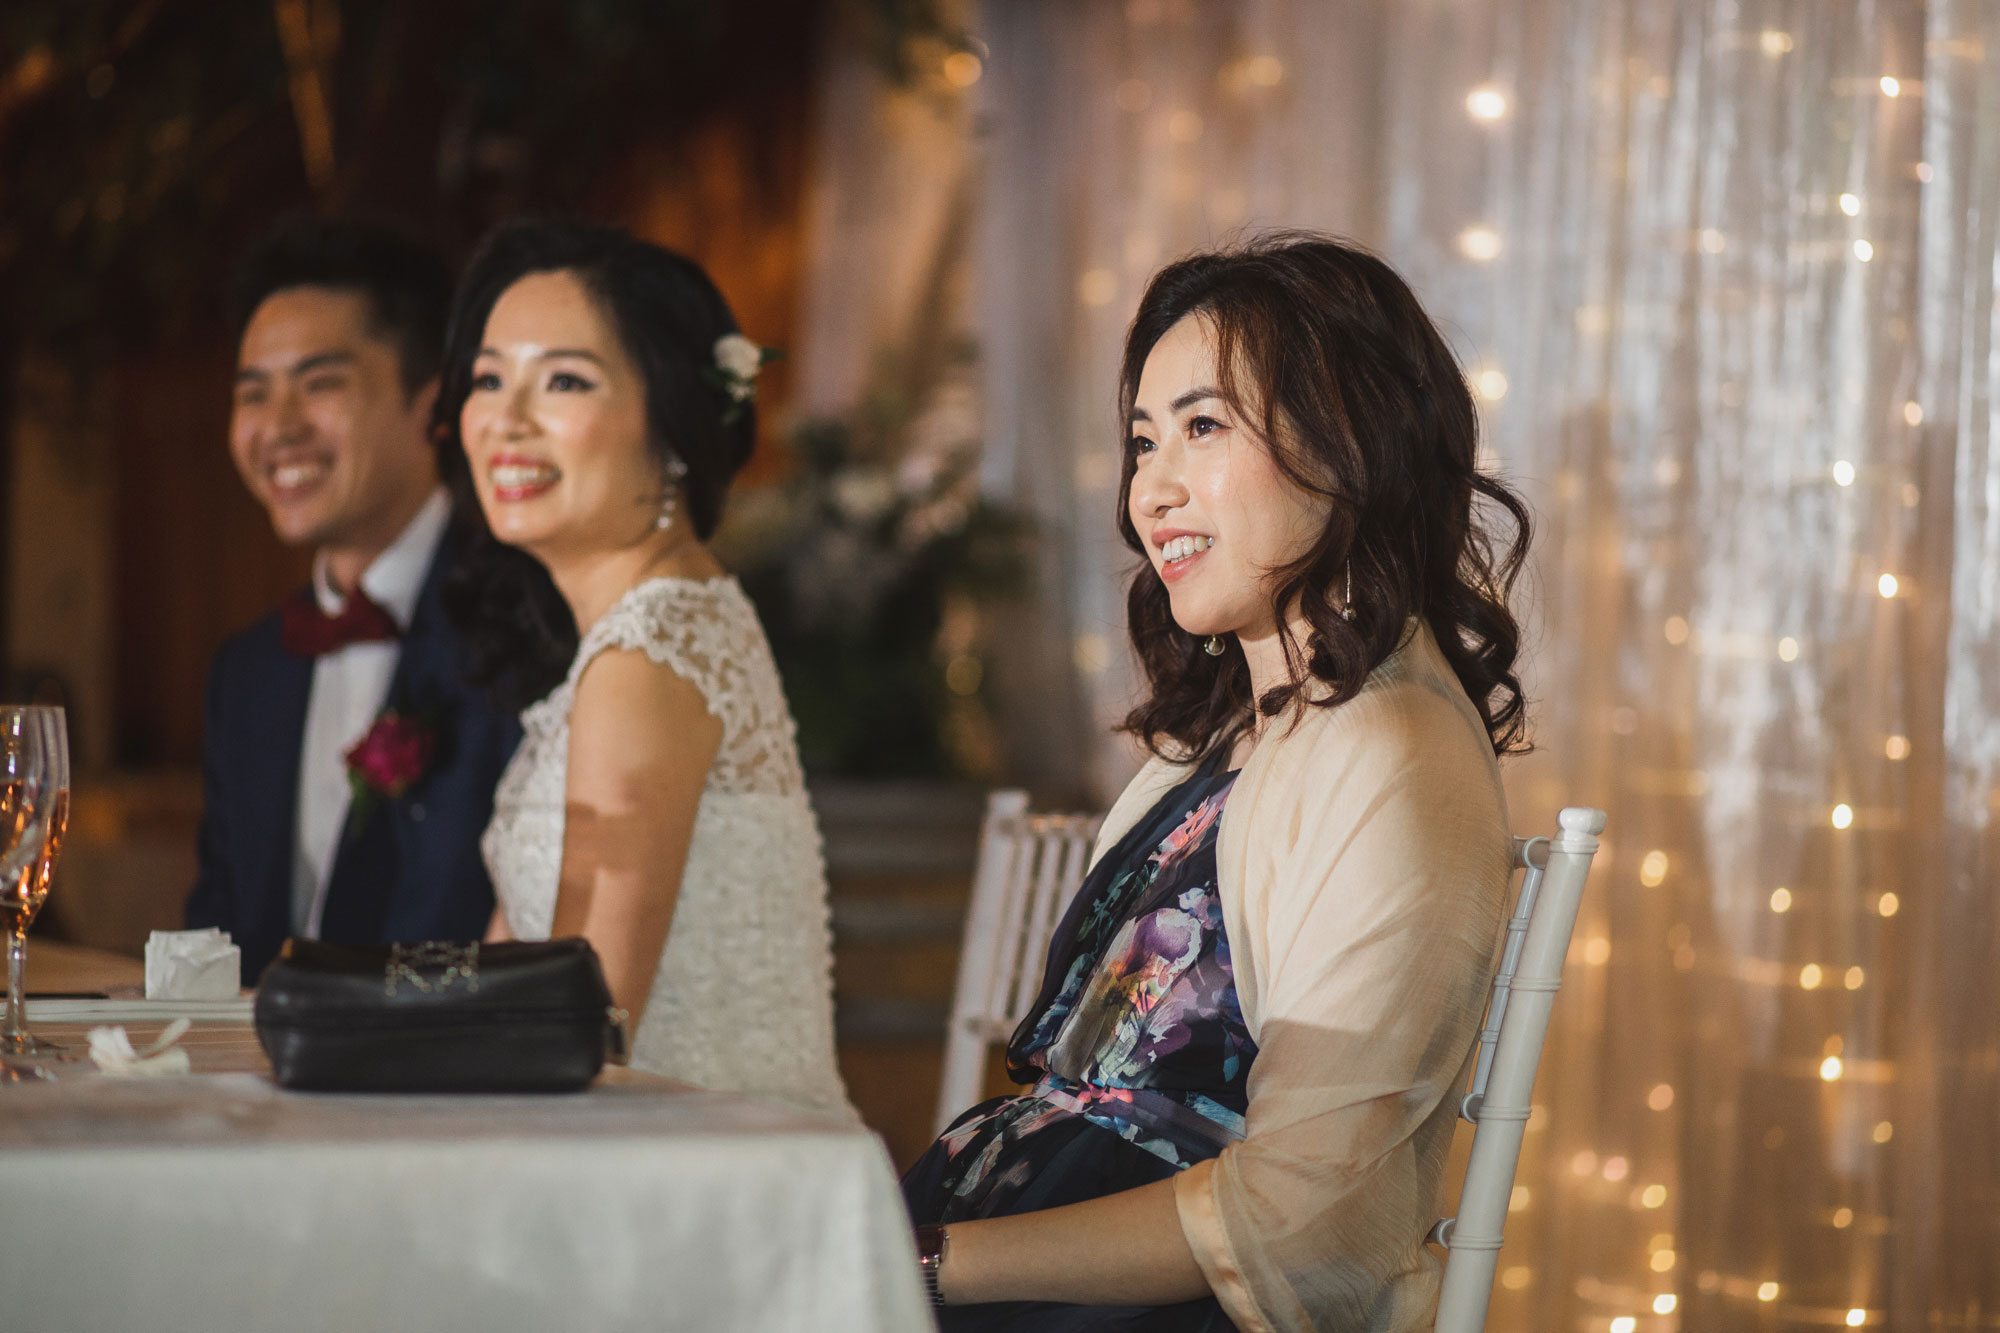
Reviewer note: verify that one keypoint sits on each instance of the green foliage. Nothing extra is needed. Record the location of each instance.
(870, 580)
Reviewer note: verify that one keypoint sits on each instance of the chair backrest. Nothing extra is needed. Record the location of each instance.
(1553, 871)
(1030, 866)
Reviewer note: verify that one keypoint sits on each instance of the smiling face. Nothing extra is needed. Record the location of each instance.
(555, 425)
(1210, 505)
(322, 430)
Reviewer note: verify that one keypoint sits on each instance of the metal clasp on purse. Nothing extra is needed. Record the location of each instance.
(456, 962)
(618, 1036)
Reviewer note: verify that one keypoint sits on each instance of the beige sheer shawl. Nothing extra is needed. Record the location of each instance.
(1364, 859)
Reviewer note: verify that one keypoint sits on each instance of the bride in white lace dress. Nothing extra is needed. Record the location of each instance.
(656, 805)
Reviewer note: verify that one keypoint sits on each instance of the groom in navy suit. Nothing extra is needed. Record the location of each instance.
(347, 768)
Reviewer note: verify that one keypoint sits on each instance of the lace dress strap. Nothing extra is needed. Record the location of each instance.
(707, 633)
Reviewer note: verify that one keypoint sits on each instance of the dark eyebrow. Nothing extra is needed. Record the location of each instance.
(1193, 396)
(554, 352)
(323, 360)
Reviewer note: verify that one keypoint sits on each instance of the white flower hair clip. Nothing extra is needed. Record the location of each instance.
(738, 362)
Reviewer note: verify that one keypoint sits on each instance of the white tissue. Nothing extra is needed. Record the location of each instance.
(192, 965)
(111, 1051)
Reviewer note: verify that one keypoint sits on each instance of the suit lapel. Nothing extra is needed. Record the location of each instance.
(267, 753)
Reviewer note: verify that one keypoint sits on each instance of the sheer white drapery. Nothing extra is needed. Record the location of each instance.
(1724, 275)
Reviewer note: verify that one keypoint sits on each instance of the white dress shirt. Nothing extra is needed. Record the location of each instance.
(350, 687)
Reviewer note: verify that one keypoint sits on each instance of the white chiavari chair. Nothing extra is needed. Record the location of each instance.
(1553, 871)
(1030, 866)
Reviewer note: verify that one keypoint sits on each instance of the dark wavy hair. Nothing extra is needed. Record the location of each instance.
(1326, 349)
(668, 316)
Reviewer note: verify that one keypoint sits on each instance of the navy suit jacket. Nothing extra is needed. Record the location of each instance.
(410, 869)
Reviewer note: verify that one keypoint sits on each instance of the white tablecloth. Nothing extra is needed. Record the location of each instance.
(218, 1202)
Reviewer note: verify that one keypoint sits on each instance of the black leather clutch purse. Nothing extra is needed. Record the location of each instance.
(437, 1017)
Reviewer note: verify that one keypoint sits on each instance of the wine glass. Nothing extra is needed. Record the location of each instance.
(34, 815)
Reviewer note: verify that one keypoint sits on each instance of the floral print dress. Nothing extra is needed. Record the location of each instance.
(1136, 1051)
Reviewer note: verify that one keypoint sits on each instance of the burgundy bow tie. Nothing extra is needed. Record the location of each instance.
(307, 631)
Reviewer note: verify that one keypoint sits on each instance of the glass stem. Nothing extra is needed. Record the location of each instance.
(17, 967)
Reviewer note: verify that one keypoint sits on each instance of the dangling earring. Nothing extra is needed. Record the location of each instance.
(1214, 645)
(1347, 611)
(675, 470)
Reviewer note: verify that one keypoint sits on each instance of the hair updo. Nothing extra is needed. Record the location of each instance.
(1327, 351)
(667, 316)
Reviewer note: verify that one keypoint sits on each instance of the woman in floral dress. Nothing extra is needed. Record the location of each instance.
(1240, 1068)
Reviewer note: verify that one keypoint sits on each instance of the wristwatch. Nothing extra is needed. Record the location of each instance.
(932, 1242)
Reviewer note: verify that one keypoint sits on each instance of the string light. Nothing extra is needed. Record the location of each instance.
(1676, 630)
(1851, 205)
(1515, 1278)
(1884, 1132)
(1774, 43)
(962, 69)
(1809, 977)
(1712, 242)
(1830, 1069)
(1653, 870)
(1662, 1262)
(1264, 71)
(1856, 1318)
(1492, 385)
(1843, 473)
(1888, 904)
(1664, 1303)
(1788, 649)
(1584, 1163)
(1653, 1196)
(1479, 244)
(1486, 103)
(1842, 1217)
(1616, 1169)
(1886, 585)
(1924, 172)
(1661, 1097)
(1863, 251)
(1891, 86)
(1913, 412)
(1597, 951)
(1767, 1291)
(1781, 899)
(1854, 978)
(1519, 1199)
(1624, 1323)
(1842, 815)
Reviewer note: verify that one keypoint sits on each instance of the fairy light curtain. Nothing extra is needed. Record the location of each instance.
(1723, 274)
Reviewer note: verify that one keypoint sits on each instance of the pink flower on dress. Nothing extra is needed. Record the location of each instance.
(1190, 833)
(391, 757)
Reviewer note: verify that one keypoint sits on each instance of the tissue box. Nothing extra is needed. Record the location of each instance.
(192, 965)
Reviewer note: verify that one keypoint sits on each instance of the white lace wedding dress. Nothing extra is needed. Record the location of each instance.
(743, 998)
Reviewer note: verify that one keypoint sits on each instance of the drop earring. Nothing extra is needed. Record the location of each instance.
(1347, 610)
(675, 470)
(1214, 645)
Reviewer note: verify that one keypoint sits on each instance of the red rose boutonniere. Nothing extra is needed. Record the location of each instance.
(384, 764)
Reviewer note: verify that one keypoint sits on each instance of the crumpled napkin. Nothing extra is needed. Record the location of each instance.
(192, 965)
(111, 1051)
